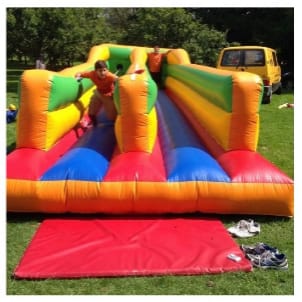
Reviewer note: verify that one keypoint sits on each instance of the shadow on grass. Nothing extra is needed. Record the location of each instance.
(227, 219)
(24, 217)
(10, 148)
(12, 87)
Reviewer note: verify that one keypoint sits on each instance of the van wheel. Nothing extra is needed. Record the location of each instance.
(279, 90)
(266, 99)
(290, 85)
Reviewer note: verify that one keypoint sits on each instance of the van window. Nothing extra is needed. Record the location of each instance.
(275, 59)
(249, 57)
(254, 57)
(231, 58)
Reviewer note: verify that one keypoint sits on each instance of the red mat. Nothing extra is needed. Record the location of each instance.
(76, 248)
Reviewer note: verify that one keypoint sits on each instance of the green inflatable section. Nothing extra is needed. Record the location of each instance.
(214, 87)
(119, 56)
(65, 90)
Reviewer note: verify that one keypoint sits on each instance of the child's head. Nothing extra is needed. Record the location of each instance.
(101, 68)
(12, 107)
(156, 49)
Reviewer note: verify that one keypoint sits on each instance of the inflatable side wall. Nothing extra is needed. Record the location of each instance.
(52, 103)
(224, 105)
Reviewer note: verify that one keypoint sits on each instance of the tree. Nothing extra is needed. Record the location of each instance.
(267, 26)
(61, 35)
(168, 28)
(20, 33)
(64, 35)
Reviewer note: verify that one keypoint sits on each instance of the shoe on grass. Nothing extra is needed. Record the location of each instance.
(258, 249)
(269, 260)
(245, 228)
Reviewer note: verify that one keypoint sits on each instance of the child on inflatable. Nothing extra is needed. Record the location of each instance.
(155, 59)
(11, 113)
(103, 95)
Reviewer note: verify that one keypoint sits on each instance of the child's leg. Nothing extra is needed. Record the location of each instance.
(94, 107)
(109, 107)
(93, 119)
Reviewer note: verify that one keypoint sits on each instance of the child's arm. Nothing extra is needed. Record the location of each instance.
(80, 75)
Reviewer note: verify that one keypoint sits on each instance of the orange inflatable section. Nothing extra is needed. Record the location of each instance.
(136, 111)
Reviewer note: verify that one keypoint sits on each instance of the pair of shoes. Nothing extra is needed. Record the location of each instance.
(269, 259)
(264, 256)
(245, 228)
(258, 249)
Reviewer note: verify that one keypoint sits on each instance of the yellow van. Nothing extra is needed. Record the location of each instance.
(255, 59)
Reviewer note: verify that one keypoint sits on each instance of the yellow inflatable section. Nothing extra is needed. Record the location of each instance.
(54, 106)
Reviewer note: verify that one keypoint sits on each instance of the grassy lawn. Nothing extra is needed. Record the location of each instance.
(276, 143)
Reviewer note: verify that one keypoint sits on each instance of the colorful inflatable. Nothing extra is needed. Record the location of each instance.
(190, 147)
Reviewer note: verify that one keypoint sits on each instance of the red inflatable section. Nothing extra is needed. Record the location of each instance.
(38, 161)
(77, 248)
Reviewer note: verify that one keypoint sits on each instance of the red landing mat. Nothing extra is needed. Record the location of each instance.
(77, 248)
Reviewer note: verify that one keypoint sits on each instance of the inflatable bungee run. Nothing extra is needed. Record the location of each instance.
(187, 147)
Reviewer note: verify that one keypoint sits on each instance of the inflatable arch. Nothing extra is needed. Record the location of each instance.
(189, 147)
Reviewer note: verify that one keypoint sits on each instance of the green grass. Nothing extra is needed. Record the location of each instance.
(276, 140)
(275, 143)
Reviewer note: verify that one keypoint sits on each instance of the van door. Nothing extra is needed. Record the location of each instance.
(251, 60)
(274, 71)
(259, 60)
(231, 60)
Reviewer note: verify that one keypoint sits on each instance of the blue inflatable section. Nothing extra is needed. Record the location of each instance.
(186, 159)
(88, 159)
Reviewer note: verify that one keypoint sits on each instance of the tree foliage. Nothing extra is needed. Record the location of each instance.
(60, 35)
(169, 28)
(65, 35)
(267, 26)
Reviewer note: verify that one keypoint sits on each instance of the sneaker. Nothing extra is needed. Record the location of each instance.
(258, 249)
(269, 260)
(245, 228)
